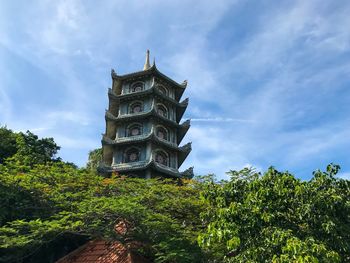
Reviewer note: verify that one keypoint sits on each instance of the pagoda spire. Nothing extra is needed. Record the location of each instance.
(147, 65)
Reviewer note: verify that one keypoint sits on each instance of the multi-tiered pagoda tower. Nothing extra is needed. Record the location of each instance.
(143, 129)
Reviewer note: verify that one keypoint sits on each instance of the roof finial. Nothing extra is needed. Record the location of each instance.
(147, 65)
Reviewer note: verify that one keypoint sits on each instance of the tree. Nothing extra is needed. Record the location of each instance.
(51, 202)
(26, 148)
(8, 146)
(278, 218)
(95, 157)
(32, 150)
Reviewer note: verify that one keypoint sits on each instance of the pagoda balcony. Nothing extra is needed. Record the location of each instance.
(151, 91)
(125, 140)
(131, 166)
(188, 173)
(185, 149)
(143, 114)
(171, 170)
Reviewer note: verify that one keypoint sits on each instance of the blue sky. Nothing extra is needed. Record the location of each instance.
(268, 80)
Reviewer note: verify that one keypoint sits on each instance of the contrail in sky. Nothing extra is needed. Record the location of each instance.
(219, 119)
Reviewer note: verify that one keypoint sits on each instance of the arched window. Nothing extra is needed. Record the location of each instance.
(162, 110)
(134, 130)
(135, 107)
(136, 87)
(162, 133)
(162, 158)
(162, 89)
(132, 155)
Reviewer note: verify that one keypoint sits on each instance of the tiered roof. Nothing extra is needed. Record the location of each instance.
(100, 251)
(116, 97)
(153, 71)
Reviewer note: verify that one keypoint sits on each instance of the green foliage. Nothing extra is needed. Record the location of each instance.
(8, 145)
(95, 157)
(31, 150)
(48, 207)
(52, 200)
(278, 218)
(26, 149)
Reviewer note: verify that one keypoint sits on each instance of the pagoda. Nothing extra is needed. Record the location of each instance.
(143, 129)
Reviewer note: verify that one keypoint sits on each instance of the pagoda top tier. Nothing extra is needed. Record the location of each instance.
(149, 70)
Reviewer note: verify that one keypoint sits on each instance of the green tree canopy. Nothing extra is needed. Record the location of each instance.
(8, 146)
(51, 201)
(48, 207)
(95, 157)
(278, 218)
(26, 148)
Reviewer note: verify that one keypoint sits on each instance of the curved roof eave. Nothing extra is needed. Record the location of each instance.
(153, 69)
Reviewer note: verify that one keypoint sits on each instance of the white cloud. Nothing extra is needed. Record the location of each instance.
(345, 175)
(268, 92)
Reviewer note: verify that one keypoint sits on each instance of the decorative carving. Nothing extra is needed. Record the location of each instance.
(188, 173)
(187, 147)
(184, 102)
(113, 73)
(186, 123)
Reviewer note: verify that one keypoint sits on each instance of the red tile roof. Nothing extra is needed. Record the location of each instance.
(101, 251)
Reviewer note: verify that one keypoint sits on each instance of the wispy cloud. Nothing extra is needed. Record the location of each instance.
(274, 75)
(220, 119)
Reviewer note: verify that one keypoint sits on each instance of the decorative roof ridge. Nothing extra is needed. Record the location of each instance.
(106, 139)
(114, 74)
(186, 123)
(152, 69)
(186, 148)
(184, 127)
(110, 115)
(111, 92)
(188, 173)
(185, 151)
(185, 101)
(152, 89)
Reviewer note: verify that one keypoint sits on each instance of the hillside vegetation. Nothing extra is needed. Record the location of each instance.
(49, 207)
